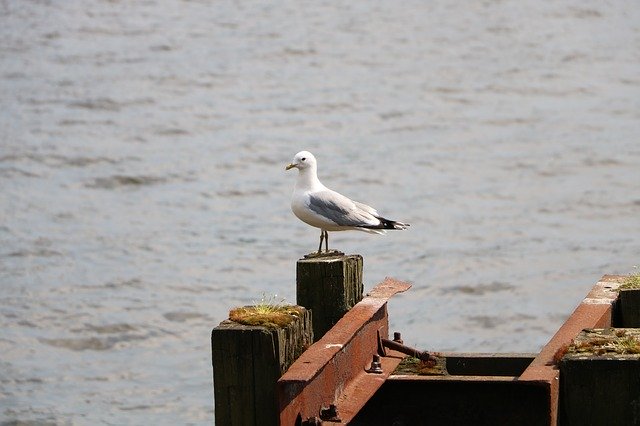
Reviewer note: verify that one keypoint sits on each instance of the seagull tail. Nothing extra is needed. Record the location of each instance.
(389, 224)
(392, 224)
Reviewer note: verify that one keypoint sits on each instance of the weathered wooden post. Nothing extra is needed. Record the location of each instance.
(630, 307)
(248, 360)
(329, 286)
(600, 378)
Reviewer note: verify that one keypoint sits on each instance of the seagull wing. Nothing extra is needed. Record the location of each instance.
(341, 210)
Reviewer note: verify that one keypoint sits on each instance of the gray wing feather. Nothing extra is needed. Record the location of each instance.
(367, 208)
(340, 209)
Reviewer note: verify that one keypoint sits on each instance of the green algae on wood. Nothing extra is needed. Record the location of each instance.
(412, 366)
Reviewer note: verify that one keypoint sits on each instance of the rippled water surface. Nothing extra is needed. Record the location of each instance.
(143, 190)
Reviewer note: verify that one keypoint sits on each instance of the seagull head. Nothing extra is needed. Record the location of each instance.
(302, 160)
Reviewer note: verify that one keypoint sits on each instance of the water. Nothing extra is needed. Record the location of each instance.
(143, 191)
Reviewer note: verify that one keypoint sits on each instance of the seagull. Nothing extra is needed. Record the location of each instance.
(318, 206)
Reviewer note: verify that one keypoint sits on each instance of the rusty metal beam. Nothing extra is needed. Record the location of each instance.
(330, 378)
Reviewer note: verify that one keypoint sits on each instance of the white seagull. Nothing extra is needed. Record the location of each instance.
(316, 205)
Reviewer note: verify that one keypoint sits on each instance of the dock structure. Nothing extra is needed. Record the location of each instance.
(354, 373)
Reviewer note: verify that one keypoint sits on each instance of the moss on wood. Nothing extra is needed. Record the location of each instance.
(270, 316)
(412, 366)
(610, 341)
(632, 282)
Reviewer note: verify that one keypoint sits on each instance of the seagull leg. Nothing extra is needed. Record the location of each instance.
(326, 241)
(321, 238)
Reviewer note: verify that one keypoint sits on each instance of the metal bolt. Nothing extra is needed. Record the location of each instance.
(392, 344)
(376, 366)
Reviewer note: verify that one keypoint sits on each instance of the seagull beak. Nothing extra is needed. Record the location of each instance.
(290, 166)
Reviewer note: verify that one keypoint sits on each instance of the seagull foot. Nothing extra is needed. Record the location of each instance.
(326, 253)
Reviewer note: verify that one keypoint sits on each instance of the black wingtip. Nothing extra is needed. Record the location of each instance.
(392, 224)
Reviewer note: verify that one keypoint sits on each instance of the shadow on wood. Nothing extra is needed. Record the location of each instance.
(630, 307)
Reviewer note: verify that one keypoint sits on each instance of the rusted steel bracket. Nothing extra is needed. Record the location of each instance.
(338, 374)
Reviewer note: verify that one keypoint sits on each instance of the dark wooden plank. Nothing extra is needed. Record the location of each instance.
(630, 307)
(266, 351)
(233, 374)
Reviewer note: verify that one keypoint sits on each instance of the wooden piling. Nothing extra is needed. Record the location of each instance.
(329, 286)
(247, 363)
(600, 379)
(630, 307)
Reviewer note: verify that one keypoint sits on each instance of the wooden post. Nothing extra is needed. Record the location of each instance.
(247, 363)
(597, 385)
(630, 307)
(329, 286)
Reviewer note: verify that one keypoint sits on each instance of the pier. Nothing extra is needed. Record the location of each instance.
(336, 363)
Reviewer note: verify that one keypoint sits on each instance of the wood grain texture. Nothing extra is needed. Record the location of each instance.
(329, 287)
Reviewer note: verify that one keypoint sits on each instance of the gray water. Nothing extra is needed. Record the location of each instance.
(143, 191)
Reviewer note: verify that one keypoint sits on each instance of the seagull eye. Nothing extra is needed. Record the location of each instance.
(304, 158)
